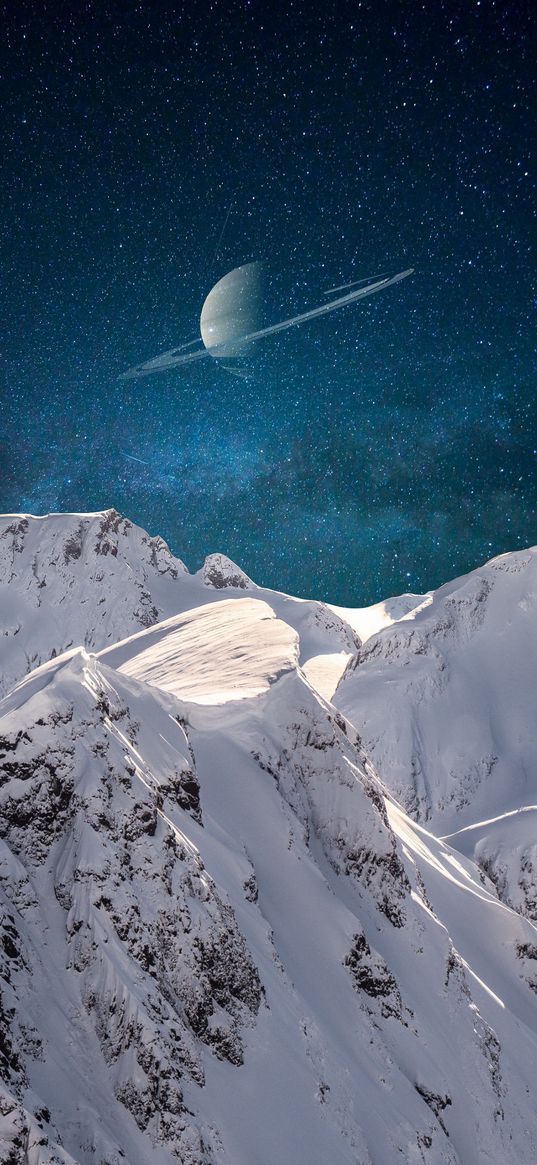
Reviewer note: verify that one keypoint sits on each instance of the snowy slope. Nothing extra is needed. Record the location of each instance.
(220, 652)
(366, 621)
(223, 941)
(217, 948)
(445, 702)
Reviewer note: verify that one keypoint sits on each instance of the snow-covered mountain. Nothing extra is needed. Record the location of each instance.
(234, 930)
(71, 580)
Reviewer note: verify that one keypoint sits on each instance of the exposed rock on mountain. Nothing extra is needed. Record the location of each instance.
(219, 571)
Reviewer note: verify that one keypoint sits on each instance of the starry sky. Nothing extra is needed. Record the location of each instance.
(150, 147)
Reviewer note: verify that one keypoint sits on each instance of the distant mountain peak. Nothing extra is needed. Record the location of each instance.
(218, 571)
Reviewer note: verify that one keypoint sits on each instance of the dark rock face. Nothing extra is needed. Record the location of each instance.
(372, 977)
(110, 526)
(436, 1103)
(323, 760)
(74, 543)
(220, 572)
(37, 785)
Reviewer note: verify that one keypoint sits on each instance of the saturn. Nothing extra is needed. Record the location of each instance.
(230, 319)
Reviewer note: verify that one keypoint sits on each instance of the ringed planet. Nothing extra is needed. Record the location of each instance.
(229, 320)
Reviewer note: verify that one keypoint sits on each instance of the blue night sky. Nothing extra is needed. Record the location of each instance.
(147, 151)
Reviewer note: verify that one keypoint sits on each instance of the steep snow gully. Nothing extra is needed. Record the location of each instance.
(268, 868)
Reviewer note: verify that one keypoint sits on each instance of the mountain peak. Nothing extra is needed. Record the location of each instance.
(219, 572)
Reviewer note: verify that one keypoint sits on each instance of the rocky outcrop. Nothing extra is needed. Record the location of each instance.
(220, 572)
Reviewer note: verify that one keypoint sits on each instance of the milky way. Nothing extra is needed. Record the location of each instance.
(149, 151)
